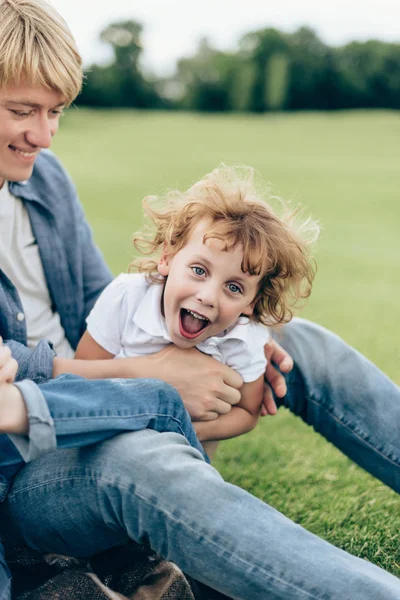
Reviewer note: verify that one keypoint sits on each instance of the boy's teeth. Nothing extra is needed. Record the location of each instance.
(196, 316)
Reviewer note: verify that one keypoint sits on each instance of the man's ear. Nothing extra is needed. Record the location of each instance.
(164, 262)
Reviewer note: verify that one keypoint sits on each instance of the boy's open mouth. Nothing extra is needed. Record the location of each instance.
(191, 324)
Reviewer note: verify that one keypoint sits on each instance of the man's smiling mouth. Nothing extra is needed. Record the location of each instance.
(24, 153)
(191, 323)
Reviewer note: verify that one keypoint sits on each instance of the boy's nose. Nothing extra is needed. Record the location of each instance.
(207, 295)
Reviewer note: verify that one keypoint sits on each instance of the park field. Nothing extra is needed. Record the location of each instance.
(345, 168)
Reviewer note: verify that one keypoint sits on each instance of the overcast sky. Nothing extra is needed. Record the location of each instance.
(172, 28)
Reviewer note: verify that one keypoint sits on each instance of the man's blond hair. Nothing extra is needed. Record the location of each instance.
(37, 48)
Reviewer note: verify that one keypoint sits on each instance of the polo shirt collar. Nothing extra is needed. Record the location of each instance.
(148, 316)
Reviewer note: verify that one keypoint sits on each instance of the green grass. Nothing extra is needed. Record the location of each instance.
(345, 168)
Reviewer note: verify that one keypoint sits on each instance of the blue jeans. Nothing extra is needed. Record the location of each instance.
(71, 412)
(155, 487)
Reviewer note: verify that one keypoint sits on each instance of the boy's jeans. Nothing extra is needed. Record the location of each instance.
(71, 412)
(155, 487)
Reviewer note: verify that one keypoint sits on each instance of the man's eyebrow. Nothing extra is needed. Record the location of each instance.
(23, 102)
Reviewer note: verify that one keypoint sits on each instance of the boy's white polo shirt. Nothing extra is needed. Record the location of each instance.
(127, 321)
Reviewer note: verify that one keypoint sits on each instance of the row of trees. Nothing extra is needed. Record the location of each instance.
(270, 70)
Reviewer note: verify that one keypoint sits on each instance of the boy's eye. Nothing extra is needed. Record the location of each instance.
(235, 289)
(198, 271)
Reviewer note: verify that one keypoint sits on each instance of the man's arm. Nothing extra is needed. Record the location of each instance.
(207, 387)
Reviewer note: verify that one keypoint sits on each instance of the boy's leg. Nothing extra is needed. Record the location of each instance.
(71, 411)
(344, 397)
(152, 487)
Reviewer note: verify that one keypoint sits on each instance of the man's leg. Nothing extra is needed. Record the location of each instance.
(72, 412)
(344, 397)
(5, 578)
(152, 487)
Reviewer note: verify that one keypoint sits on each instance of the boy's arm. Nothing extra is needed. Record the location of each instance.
(91, 361)
(242, 418)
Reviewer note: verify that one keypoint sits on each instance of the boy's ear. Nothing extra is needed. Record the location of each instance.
(164, 262)
(249, 309)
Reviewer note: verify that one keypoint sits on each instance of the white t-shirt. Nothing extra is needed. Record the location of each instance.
(20, 261)
(127, 321)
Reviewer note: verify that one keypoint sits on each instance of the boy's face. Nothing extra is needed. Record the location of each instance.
(29, 117)
(206, 290)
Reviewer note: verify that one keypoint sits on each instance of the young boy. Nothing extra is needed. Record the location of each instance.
(223, 267)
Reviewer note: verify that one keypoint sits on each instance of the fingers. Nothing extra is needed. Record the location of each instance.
(9, 371)
(269, 407)
(275, 353)
(276, 380)
(228, 395)
(209, 416)
(5, 355)
(8, 364)
(231, 377)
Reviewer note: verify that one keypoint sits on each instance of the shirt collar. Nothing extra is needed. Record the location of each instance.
(148, 316)
(238, 332)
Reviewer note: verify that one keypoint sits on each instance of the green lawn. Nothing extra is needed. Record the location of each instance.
(345, 168)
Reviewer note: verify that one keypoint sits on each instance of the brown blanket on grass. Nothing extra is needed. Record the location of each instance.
(128, 572)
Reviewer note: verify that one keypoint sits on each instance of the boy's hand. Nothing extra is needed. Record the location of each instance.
(8, 364)
(274, 380)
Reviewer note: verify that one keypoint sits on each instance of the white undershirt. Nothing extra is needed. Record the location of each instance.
(20, 261)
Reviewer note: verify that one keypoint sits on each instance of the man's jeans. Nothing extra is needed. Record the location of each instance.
(154, 487)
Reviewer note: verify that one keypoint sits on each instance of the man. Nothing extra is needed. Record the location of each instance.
(150, 486)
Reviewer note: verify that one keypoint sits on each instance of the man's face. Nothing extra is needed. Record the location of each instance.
(29, 117)
(206, 290)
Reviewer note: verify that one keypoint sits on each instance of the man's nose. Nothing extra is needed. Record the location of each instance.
(40, 133)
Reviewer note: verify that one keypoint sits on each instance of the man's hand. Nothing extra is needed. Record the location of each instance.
(207, 387)
(8, 364)
(274, 380)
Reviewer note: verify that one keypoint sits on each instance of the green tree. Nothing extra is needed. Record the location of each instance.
(122, 83)
(267, 50)
(312, 72)
(369, 74)
(205, 79)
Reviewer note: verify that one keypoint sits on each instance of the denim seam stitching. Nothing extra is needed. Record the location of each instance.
(125, 417)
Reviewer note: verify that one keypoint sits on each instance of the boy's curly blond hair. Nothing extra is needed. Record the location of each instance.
(275, 247)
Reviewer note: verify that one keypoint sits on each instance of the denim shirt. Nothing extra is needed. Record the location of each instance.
(75, 273)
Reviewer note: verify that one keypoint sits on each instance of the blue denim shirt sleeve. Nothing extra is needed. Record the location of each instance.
(33, 363)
